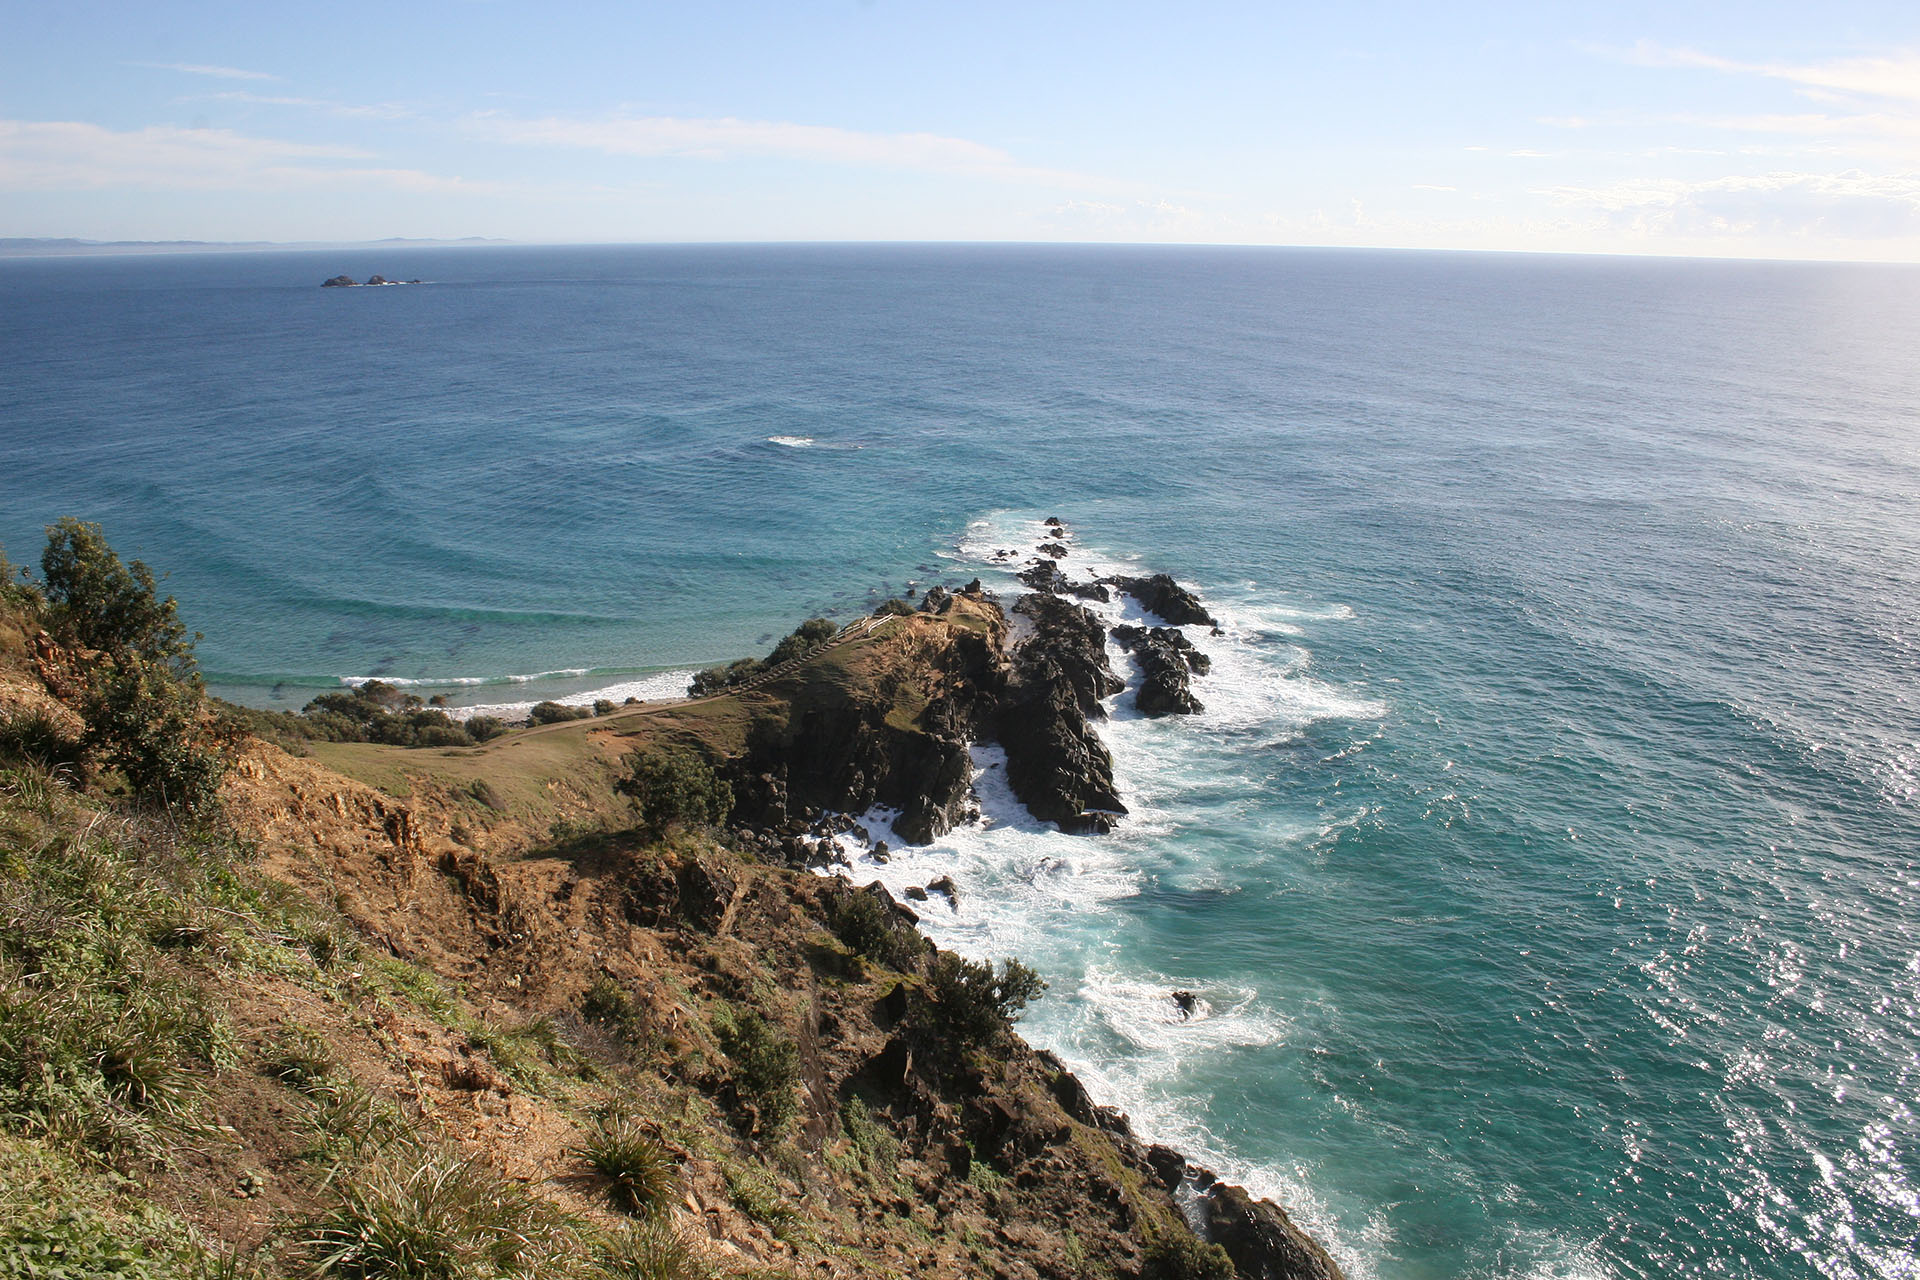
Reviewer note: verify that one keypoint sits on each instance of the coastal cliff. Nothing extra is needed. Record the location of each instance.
(573, 999)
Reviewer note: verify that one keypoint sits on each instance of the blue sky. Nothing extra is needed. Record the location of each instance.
(1772, 130)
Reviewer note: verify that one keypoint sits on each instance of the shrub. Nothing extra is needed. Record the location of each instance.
(813, 632)
(675, 787)
(604, 706)
(608, 1003)
(1174, 1253)
(16, 588)
(145, 722)
(766, 1066)
(893, 608)
(556, 713)
(639, 1174)
(485, 728)
(97, 602)
(717, 679)
(972, 1004)
(865, 924)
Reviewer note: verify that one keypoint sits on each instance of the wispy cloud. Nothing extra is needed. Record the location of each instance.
(1894, 76)
(727, 138)
(76, 156)
(1845, 206)
(371, 111)
(202, 69)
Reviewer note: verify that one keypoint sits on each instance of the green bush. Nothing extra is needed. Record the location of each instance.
(675, 787)
(604, 706)
(97, 602)
(813, 632)
(1175, 1253)
(146, 722)
(973, 1006)
(16, 587)
(893, 608)
(638, 1174)
(607, 1002)
(766, 1066)
(718, 679)
(557, 713)
(485, 728)
(865, 924)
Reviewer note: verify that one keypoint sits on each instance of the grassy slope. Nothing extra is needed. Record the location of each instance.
(296, 1015)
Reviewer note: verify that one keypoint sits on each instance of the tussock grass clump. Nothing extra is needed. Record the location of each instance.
(655, 1251)
(639, 1175)
(33, 735)
(440, 1218)
(352, 1124)
(301, 1058)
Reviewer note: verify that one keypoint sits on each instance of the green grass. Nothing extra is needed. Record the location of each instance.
(638, 1175)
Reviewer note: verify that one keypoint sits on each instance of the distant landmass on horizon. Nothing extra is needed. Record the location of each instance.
(47, 247)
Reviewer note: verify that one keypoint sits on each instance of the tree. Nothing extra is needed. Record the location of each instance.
(97, 602)
(143, 703)
(972, 1004)
(675, 787)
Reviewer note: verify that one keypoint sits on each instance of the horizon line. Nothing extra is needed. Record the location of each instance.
(21, 247)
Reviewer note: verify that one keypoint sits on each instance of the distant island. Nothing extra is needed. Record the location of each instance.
(348, 282)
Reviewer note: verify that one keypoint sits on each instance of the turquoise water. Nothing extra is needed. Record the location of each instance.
(1546, 858)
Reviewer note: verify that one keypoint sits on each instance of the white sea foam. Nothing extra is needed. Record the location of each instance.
(792, 442)
(1057, 901)
(449, 682)
(655, 687)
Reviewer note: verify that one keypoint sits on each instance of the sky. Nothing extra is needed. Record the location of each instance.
(1713, 129)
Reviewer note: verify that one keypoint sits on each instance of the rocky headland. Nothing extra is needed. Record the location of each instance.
(484, 960)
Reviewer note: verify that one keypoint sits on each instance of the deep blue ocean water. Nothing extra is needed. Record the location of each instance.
(1546, 860)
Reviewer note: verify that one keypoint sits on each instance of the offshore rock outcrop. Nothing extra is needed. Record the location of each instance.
(1056, 763)
(1167, 659)
(1161, 595)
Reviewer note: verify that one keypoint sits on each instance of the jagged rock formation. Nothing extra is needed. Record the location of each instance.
(1056, 763)
(1161, 595)
(1166, 658)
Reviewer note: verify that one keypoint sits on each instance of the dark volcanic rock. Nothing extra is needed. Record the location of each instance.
(1056, 764)
(379, 280)
(1262, 1240)
(1045, 575)
(338, 282)
(1166, 657)
(1162, 595)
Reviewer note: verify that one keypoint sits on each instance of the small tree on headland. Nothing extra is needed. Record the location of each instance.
(143, 701)
(675, 787)
(96, 602)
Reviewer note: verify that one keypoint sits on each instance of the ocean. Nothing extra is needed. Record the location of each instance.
(1544, 863)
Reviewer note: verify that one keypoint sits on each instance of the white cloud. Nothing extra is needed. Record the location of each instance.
(651, 137)
(1847, 206)
(1894, 76)
(201, 69)
(76, 156)
(376, 111)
